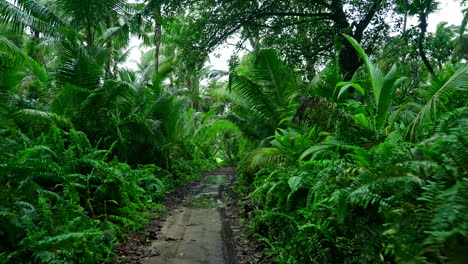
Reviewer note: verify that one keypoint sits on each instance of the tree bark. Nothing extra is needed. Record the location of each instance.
(362, 25)
(108, 67)
(405, 22)
(157, 37)
(89, 32)
(89, 37)
(194, 90)
(348, 57)
(422, 35)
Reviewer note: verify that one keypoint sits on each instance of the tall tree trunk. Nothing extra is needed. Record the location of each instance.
(157, 37)
(89, 34)
(193, 90)
(422, 35)
(37, 55)
(255, 43)
(110, 60)
(196, 93)
(348, 58)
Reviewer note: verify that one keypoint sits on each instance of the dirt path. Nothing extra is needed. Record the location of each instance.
(194, 232)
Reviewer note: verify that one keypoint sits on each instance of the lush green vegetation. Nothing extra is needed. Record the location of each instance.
(349, 125)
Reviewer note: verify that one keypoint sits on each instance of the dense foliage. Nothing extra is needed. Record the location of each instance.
(89, 149)
(348, 124)
(357, 177)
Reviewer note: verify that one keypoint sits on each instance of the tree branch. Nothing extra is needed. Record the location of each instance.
(362, 25)
(422, 52)
(321, 15)
(281, 26)
(338, 15)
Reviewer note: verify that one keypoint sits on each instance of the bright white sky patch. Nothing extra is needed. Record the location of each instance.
(135, 54)
(449, 11)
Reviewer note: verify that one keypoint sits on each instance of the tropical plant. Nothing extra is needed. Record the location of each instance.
(337, 163)
(441, 93)
(339, 199)
(262, 95)
(56, 188)
(383, 87)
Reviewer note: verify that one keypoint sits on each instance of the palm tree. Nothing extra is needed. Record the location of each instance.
(262, 96)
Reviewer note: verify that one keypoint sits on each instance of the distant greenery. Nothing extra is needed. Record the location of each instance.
(348, 125)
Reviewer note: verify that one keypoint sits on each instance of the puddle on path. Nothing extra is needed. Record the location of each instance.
(204, 201)
(193, 233)
(208, 198)
(216, 179)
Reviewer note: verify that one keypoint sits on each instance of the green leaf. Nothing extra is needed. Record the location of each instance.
(383, 87)
(345, 86)
(314, 149)
(362, 120)
(295, 183)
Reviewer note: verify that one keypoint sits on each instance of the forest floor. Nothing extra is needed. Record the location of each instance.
(202, 225)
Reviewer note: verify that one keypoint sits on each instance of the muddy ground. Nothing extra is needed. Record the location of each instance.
(203, 224)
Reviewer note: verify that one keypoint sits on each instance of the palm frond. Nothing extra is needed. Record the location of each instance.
(69, 99)
(259, 103)
(276, 77)
(447, 120)
(119, 36)
(18, 57)
(263, 157)
(441, 90)
(77, 67)
(15, 54)
(32, 118)
(383, 86)
(29, 13)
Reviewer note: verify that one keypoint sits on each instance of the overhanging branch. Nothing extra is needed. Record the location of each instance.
(293, 14)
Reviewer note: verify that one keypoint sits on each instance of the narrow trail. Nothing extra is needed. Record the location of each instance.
(195, 232)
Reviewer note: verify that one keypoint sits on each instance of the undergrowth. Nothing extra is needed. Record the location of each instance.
(361, 180)
(395, 202)
(66, 201)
